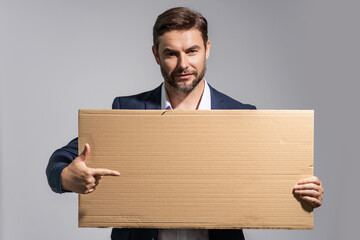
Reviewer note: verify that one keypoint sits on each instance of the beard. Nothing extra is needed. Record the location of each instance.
(181, 85)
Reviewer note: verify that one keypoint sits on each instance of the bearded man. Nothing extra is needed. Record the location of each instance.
(181, 48)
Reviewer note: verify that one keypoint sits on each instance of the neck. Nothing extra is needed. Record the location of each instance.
(185, 100)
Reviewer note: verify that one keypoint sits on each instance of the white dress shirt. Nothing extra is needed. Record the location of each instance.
(205, 101)
(185, 234)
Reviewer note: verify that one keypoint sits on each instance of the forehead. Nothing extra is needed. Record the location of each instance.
(182, 39)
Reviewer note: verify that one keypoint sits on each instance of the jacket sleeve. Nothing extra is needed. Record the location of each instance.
(60, 159)
(116, 103)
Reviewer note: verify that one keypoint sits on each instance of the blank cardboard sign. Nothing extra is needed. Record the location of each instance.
(219, 169)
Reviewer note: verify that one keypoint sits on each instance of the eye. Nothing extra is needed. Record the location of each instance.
(170, 54)
(192, 52)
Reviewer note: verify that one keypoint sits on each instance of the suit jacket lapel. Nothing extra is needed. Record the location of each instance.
(154, 99)
(217, 101)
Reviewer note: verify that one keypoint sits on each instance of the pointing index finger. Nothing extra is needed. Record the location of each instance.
(104, 172)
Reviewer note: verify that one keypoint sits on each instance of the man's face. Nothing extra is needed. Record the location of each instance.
(181, 56)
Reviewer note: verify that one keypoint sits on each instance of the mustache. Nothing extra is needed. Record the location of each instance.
(183, 72)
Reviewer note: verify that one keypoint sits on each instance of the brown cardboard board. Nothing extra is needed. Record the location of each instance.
(219, 169)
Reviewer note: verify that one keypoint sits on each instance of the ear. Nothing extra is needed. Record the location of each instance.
(208, 45)
(156, 54)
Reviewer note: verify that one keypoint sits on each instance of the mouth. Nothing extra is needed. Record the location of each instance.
(184, 76)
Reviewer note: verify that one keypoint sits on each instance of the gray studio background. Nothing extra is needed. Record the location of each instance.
(61, 56)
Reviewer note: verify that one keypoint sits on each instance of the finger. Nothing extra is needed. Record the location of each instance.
(97, 179)
(312, 179)
(313, 201)
(310, 193)
(90, 190)
(97, 182)
(104, 172)
(308, 186)
(90, 183)
(85, 153)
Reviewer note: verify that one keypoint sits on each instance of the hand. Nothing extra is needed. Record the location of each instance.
(311, 190)
(77, 177)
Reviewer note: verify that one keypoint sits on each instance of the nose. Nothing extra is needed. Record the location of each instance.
(183, 62)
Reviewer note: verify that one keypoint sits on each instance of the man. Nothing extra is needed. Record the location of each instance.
(181, 48)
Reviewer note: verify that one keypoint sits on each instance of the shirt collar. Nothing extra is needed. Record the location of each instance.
(205, 101)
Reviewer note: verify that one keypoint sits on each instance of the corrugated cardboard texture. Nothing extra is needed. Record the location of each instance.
(217, 169)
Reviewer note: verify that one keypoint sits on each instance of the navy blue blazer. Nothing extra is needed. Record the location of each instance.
(146, 100)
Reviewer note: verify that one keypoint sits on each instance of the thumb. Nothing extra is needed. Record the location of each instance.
(85, 153)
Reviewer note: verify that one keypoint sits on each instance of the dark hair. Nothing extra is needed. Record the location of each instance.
(179, 18)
